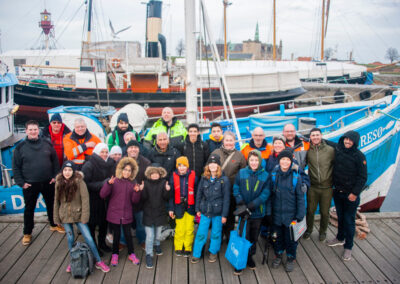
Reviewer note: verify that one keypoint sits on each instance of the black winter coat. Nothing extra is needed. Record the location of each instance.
(154, 199)
(350, 169)
(213, 197)
(197, 154)
(96, 172)
(213, 145)
(166, 159)
(143, 163)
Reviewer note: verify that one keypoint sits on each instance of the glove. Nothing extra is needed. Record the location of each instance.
(251, 206)
(240, 210)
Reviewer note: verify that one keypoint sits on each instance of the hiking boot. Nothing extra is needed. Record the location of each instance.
(114, 259)
(250, 263)
(334, 242)
(289, 264)
(26, 240)
(238, 272)
(179, 253)
(68, 270)
(212, 257)
(195, 259)
(158, 250)
(346, 255)
(149, 261)
(186, 253)
(306, 236)
(277, 261)
(132, 257)
(102, 266)
(322, 237)
(57, 228)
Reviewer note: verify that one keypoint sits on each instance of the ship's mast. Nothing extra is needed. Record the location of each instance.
(89, 21)
(274, 43)
(226, 4)
(322, 30)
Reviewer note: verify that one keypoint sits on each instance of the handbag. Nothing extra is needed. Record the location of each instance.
(238, 248)
(297, 229)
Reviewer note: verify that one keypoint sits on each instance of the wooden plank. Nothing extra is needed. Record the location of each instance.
(248, 276)
(354, 267)
(212, 270)
(311, 273)
(279, 274)
(226, 267)
(262, 272)
(334, 260)
(62, 276)
(164, 263)
(18, 249)
(116, 271)
(3, 226)
(197, 272)
(378, 260)
(130, 272)
(391, 229)
(146, 275)
(41, 259)
(11, 239)
(323, 266)
(28, 256)
(179, 269)
(8, 230)
(54, 263)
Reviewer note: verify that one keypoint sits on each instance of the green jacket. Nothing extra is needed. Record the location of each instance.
(176, 132)
(113, 138)
(320, 160)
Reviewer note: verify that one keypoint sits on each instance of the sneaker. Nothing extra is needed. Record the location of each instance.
(322, 237)
(212, 257)
(102, 266)
(277, 261)
(306, 236)
(26, 240)
(186, 253)
(132, 257)
(57, 228)
(68, 270)
(114, 259)
(250, 263)
(195, 259)
(158, 250)
(238, 272)
(179, 253)
(335, 242)
(149, 261)
(346, 254)
(289, 264)
(143, 246)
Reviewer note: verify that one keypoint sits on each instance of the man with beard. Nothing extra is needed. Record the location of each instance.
(169, 124)
(116, 137)
(259, 143)
(299, 146)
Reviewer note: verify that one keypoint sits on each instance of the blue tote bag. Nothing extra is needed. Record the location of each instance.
(238, 248)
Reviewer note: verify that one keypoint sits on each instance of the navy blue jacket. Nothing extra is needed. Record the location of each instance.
(179, 209)
(287, 201)
(212, 198)
(251, 188)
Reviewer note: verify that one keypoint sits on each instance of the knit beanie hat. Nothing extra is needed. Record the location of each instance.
(123, 117)
(132, 143)
(214, 158)
(69, 164)
(56, 117)
(279, 137)
(115, 150)
(182, 160)
(129, 133)
(99, 147)
(286, 153)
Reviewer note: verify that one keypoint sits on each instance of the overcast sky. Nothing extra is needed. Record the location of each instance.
(366, 27)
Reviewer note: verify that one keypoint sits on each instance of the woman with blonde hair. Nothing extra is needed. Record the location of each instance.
(212, 205)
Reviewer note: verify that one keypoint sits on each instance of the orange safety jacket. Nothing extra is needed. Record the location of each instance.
(177, 187)
(265, 150)
(75, 149)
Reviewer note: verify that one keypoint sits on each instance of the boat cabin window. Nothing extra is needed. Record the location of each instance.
(19, 61)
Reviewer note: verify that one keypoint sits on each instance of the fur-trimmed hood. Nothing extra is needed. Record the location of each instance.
(77, 176)
(121, 165)
(154, 168)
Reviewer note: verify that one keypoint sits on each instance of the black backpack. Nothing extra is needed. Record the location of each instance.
(81, 260)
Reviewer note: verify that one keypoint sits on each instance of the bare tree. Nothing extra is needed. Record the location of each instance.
(328, 53)
(392, 54)
(180, 48)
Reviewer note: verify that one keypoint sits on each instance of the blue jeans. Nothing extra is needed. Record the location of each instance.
(140, 232)
(84, 229)
(284, 242)
(346, 211)
(202, 233)
(153, 235)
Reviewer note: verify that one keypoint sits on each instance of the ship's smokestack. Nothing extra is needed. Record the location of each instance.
(153, 26)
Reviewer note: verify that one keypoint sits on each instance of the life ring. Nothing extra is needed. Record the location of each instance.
(115, 63)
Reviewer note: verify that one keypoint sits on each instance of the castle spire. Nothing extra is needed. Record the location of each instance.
(256, 36)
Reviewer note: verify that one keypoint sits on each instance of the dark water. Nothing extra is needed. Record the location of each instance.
(392, 200)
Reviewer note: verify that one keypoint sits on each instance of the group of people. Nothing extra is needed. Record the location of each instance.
(141, 181)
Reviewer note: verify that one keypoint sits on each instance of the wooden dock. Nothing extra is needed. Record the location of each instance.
(375, 260)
